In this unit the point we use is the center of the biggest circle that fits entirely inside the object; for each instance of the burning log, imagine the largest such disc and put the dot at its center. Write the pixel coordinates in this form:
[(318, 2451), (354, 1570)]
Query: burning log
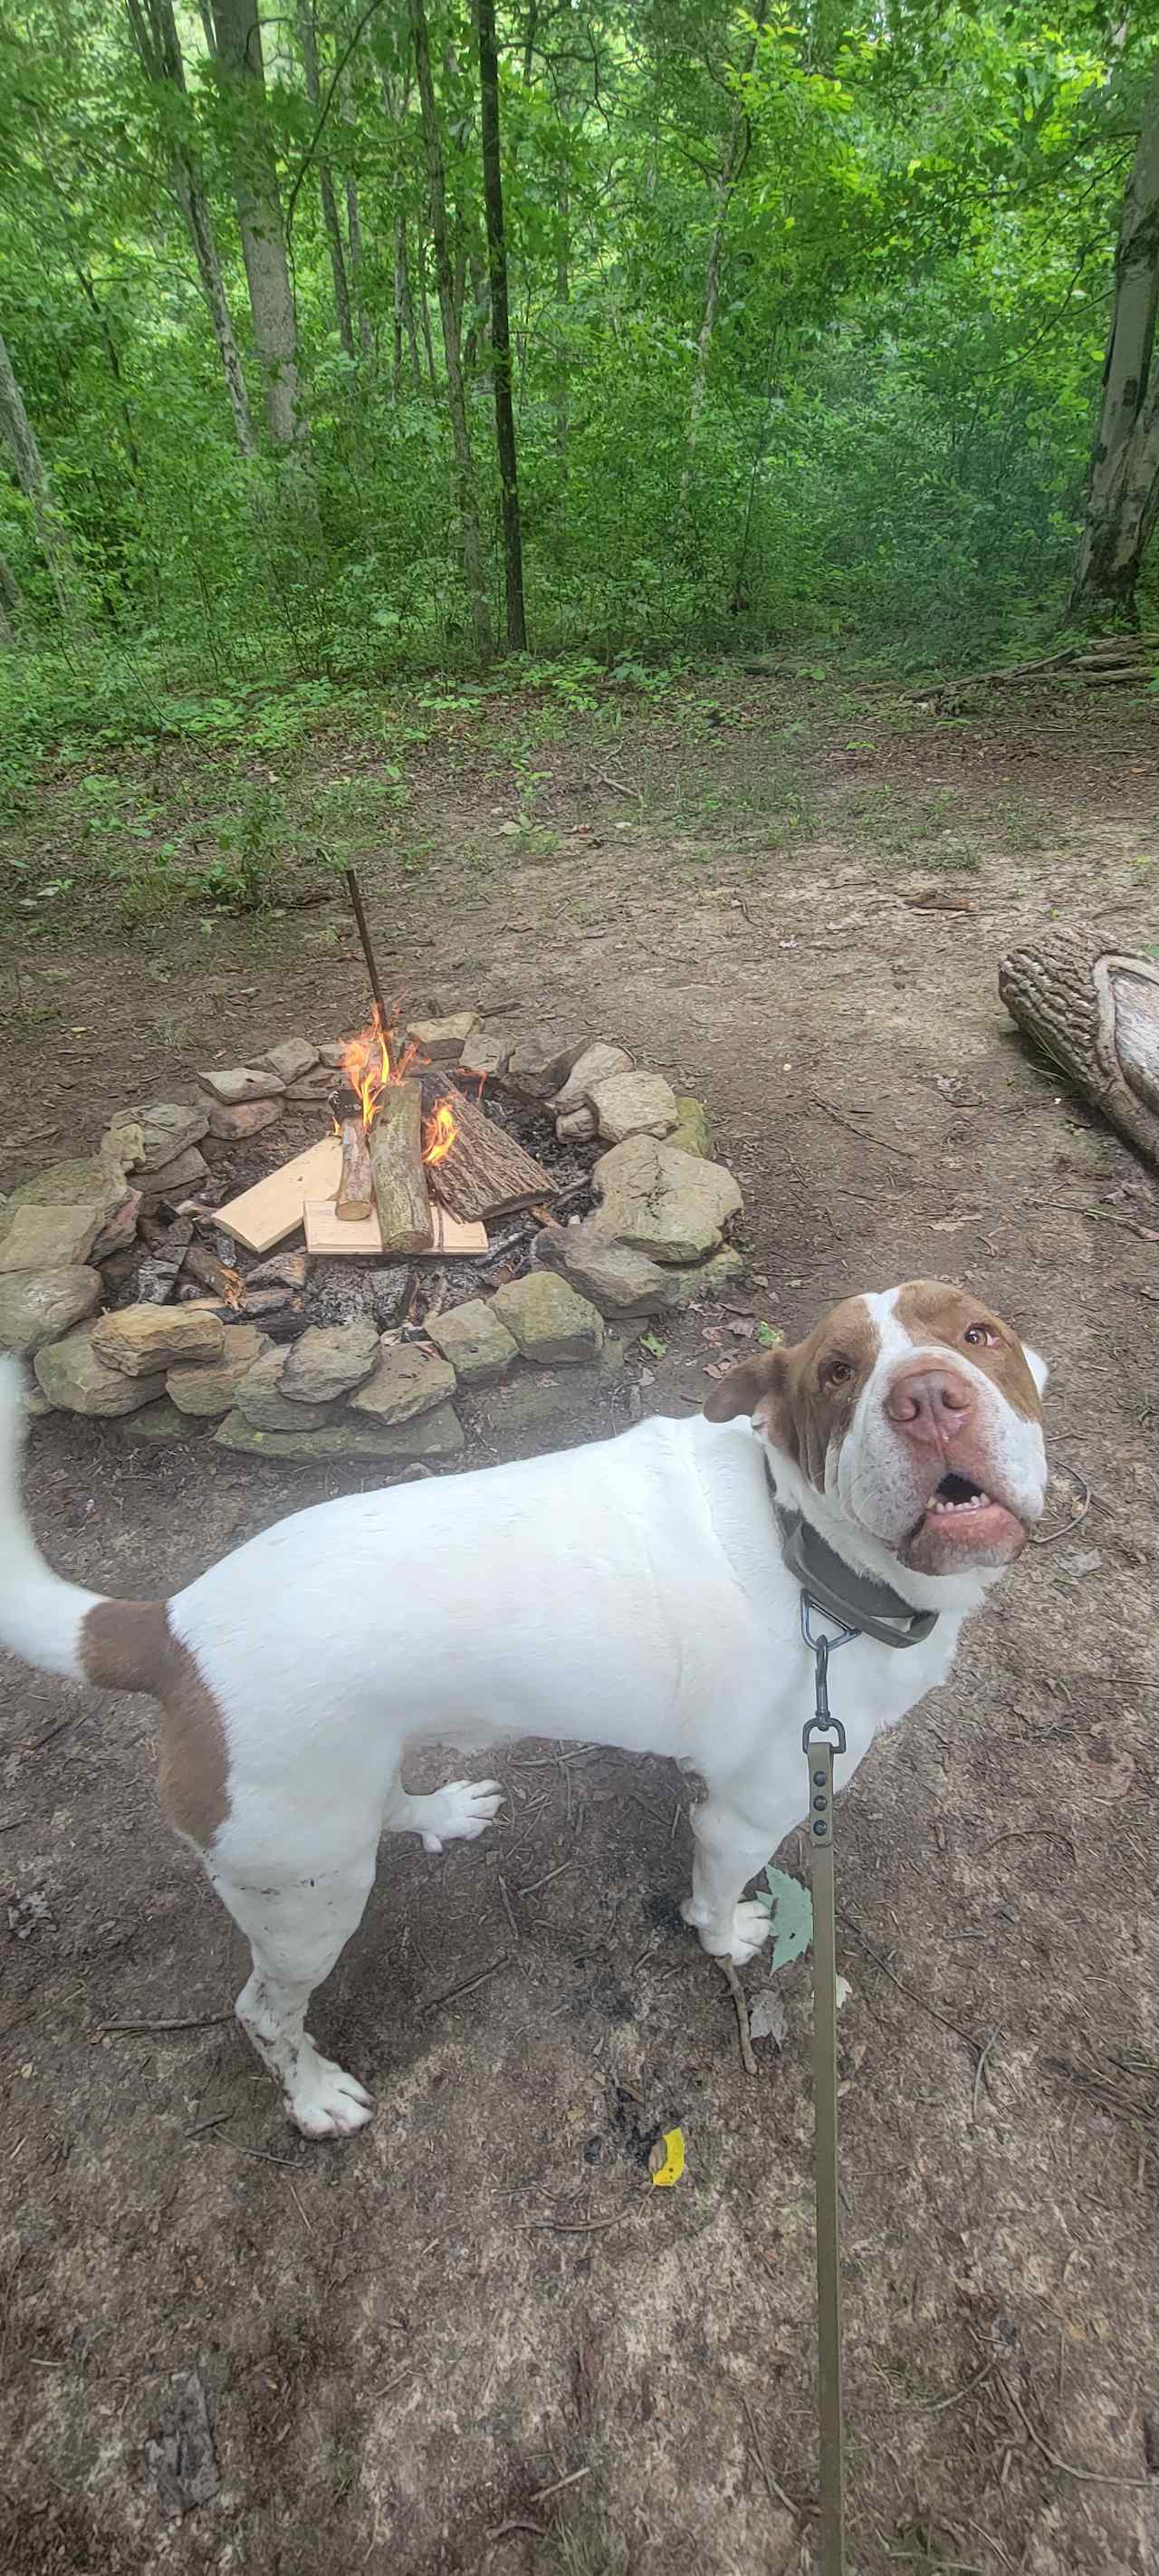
[(476, 1168), (204, 1266), (395, 1147), (355, 1198)]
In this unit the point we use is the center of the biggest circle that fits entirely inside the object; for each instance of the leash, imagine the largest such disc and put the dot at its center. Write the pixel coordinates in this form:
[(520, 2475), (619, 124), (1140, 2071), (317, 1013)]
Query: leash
[(822, 1737)]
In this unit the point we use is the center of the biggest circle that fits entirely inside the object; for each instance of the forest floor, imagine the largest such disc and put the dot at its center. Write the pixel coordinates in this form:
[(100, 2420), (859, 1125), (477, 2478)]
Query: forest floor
[(473, 2339)]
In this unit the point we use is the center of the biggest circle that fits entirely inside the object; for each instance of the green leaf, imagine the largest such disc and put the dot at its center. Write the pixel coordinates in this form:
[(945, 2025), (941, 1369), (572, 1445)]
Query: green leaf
[(791, 1907), (652, 1342), (769, 1336)]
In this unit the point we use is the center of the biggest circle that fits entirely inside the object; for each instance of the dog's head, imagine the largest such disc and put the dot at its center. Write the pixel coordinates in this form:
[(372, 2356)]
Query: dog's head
[(907, 1426)]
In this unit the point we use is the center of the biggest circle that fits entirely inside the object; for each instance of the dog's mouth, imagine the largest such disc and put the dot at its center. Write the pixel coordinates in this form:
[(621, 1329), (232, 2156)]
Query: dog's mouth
[(962, 1521)]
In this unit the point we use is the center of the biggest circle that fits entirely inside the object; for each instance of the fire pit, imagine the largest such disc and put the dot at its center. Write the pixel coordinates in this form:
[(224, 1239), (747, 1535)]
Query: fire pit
[(323, 1252)]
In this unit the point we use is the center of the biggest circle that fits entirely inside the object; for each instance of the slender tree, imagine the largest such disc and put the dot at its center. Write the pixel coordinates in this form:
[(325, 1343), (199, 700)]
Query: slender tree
[(52, 534), (1123, 486), (735, 155), (154, 32), (500, 326), (11, 601), (308, 40), (465, 492), (238, 45)]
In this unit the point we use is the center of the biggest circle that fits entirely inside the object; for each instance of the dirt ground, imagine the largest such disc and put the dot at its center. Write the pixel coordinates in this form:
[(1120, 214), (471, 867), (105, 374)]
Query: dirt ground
[(474, 2339)]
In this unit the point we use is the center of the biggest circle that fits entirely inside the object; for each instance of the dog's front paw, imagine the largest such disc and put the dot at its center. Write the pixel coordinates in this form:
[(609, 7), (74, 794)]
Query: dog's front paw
[(460, 1812), (322, 2100), (740, 1941)]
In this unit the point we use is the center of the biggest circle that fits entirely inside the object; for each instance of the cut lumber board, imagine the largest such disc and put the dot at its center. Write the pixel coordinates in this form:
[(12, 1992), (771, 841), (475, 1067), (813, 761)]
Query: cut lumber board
[(395, 1146), (355, 1189), (486, 1172), (328, 1232), (263, 1215)]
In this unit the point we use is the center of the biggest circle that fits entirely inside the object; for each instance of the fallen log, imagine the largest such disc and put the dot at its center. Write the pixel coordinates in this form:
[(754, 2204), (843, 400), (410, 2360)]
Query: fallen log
[(1093, 1009), (484, 1172), (395, 1147), (355, 1198)]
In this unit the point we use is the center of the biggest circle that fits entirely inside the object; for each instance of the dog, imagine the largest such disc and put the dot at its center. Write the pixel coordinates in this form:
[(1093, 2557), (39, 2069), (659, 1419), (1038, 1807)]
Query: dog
[(634, 1592)]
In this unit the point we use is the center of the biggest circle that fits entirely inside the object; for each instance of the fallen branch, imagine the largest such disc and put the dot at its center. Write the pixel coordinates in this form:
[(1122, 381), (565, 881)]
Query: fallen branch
[(744, 2032)]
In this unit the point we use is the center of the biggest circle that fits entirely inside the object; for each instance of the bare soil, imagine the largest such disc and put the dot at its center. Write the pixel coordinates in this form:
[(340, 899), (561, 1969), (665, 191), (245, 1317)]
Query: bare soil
[(474, 2339)]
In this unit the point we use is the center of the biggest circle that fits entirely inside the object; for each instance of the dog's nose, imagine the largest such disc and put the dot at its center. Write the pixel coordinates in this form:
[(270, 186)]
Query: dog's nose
[(929, 1406)]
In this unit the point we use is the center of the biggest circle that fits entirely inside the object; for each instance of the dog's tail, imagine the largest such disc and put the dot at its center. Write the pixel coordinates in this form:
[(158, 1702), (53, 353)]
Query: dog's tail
[(48, 1622)]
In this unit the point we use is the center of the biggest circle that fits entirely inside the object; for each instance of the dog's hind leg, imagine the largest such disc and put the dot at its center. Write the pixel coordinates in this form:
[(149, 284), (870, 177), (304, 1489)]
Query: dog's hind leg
[(296, 1930), (456, 1814)]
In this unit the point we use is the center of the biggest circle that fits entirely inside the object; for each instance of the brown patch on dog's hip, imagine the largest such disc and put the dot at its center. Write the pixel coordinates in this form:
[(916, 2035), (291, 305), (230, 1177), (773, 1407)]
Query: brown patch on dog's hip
[(129, 1646)]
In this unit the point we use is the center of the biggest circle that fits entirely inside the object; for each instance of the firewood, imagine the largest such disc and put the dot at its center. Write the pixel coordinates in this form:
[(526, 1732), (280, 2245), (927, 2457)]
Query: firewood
[(204, 1266), (396, 1170), (355, 1198), (1093, 1010), (327, 1234), (273, 1207), (485, 1172)]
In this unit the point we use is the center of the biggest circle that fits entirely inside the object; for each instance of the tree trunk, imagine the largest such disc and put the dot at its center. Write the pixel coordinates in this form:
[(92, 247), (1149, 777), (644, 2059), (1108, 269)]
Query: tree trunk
[(734, 161), (154, 29), (239, 51), (1123, 487), (307, 38), (11, 601), (357, 269), (52, 534), (466, 501), (500, 327)]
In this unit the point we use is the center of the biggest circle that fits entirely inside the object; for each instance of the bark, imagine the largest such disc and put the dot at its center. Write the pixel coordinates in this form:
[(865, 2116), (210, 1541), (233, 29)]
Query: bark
[(307, 38), (1093, 1010), (395, 1147), (11, 602), (736, 153), (500, 327), (465, 495), (239, 50), (155, 36), (357, 268), (52, 534), (1123, 486), (485, 1171)]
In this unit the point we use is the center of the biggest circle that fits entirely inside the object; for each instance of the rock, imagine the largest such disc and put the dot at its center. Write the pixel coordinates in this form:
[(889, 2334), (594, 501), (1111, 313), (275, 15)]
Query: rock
[(479, 1348), (485, 1054), (633, 1104), (140, 1339), (539, 1065), (657, 1200), (595, 1064), (404, 1383), (316, 1091), (443, 1040), (539, 1405), (260, 1399), (576, 1127), (619, 1282), (174, 1180), (75, 1378), (166, 1129), (329, 1359), (85, 1182), (241, 1082), (121, 1230), (429, 1436), (247, 1119), (690, 1134), (291, 1058), (333, 1053), (48, 1238), (160, 1421), (547, 1318), (282, 1270), (38, 1306), (212, 1387), (705, 1279)]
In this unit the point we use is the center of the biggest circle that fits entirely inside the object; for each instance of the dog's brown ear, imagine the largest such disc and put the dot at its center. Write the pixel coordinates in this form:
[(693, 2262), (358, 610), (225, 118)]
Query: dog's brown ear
[(759, 1387)]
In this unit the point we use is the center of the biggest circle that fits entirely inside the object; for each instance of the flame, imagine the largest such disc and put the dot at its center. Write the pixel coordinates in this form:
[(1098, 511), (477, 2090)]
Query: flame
[(371, 1064), (439, 1133)]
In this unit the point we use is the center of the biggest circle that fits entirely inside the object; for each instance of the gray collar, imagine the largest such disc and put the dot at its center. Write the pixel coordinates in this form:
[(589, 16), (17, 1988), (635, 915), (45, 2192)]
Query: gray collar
[(857, 1601)]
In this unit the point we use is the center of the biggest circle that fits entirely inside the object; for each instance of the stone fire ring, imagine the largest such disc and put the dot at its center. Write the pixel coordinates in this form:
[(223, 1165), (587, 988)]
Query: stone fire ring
[(652, 1244)]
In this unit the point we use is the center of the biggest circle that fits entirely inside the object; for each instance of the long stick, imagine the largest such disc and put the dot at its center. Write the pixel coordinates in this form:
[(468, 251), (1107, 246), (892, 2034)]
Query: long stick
[(355, 893)]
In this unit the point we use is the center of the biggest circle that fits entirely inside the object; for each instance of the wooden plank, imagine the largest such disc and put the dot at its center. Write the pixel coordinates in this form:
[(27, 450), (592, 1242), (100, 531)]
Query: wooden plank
[(263, 1215), (355, 1189), (395, 1146), (327, 1232), (485, 1172)]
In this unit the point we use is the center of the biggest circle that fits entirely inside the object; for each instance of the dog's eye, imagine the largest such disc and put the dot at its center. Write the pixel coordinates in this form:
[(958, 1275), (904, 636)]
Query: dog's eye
[(981, 1333), (837, 1372)]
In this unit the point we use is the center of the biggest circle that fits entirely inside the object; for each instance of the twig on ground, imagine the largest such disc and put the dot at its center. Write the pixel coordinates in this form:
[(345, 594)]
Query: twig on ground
[(542, 2493), (1107, 1216), (536, 1883), (776, 2493), (449, 1993), (909, 1991), (507, 1908), (938, 2405), (261, 2155), (518, 2522), (864, 1135), (590, 2226), (1034, 1834), (1064, 1527), (208, 2021), (983, 2054), (1066, 2468), (744, 2033)]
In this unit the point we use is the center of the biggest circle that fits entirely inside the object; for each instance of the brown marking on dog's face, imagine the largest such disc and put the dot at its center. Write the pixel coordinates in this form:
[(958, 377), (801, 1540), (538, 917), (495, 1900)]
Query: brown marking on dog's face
[(804, 1398), (129, 1646), (929, 1311)]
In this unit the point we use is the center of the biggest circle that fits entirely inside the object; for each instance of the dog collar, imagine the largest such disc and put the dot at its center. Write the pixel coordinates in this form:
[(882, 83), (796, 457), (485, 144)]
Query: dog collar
[(857, 1601)]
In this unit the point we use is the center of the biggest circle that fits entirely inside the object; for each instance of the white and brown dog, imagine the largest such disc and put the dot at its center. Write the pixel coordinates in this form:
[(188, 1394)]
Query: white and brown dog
[(630, 1593)]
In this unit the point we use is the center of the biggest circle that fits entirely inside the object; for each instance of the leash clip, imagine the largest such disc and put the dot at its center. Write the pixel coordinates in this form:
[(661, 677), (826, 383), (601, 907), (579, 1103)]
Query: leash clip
[(821, 1647)]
